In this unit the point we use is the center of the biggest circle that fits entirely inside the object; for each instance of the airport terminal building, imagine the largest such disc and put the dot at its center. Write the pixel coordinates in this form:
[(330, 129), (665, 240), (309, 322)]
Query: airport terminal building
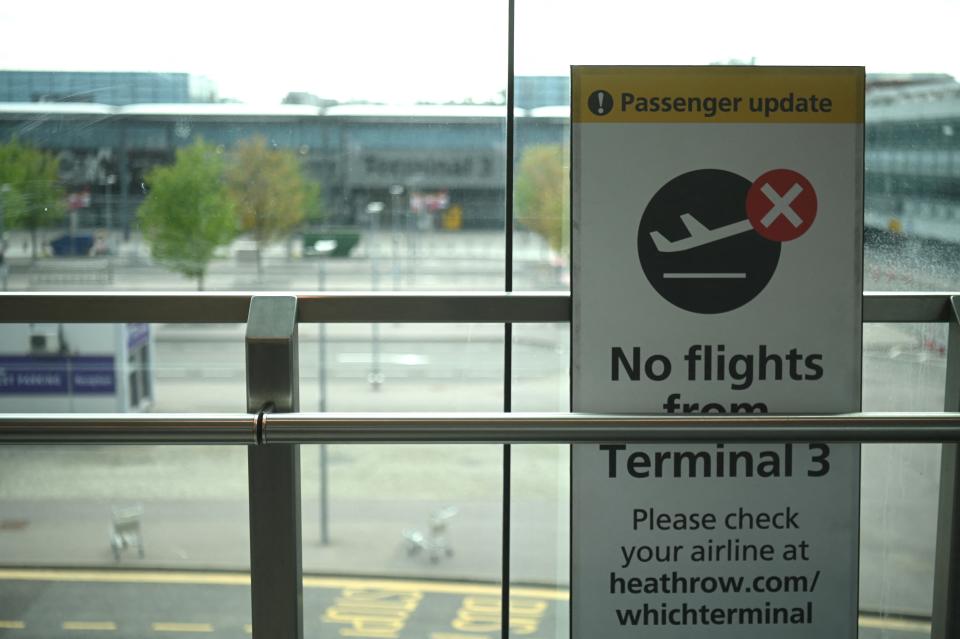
[(109, 129), (357, 152)]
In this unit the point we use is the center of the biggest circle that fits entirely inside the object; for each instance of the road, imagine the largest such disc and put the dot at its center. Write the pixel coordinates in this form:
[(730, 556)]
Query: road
[(50, 604), (57, 603)]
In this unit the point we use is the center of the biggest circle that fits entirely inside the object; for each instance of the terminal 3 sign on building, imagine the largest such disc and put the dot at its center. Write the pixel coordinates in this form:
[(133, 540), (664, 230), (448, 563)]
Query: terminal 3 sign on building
[(419, 168), (717, 268)]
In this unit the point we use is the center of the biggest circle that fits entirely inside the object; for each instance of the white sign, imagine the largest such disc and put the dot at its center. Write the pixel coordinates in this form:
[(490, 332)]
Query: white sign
[(423, 169), (717, 268)]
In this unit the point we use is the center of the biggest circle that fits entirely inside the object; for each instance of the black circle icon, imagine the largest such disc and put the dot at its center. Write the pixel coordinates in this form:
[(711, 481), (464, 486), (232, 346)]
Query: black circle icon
[(697, 247), (600, 102)]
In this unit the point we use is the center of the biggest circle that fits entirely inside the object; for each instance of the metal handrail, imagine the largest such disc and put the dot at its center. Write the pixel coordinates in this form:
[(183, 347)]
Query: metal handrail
[(563, 428), (479, 307), (558, 428), (361, 307), (128, 428)]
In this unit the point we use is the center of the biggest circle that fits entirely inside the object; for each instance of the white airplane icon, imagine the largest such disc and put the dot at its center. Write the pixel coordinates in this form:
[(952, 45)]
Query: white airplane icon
[(699, 235)]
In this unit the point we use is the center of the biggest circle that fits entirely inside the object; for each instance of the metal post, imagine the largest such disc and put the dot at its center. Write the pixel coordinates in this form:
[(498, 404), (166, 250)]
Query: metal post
[(124, 162), (276, 571), (396, 191), (324, 497), (376, 376), (108, 195), (946, 579), (322, 407), (108, 222), (64, 348), (4, 189)]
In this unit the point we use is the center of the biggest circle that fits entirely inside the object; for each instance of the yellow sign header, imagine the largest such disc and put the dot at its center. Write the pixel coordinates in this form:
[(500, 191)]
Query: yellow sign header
[(718, 94)]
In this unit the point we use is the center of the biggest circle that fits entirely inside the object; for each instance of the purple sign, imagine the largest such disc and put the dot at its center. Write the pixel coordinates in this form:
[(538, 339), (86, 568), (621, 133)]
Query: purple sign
[(57, 375), (137, 334)]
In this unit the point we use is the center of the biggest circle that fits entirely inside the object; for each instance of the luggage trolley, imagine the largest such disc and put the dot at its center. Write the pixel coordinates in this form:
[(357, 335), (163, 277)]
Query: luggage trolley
[(125, 530), (434, 543)]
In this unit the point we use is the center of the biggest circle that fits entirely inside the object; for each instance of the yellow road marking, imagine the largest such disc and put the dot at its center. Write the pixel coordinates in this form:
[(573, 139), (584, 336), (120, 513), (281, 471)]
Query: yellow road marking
[(243, 579), (873, 621), (887, 623), (89, 625), (182, 627)]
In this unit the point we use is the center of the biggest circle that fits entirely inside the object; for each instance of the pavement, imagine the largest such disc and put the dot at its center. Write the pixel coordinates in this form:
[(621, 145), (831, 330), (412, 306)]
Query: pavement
[(366, 537), (48, 604), (57, 504)]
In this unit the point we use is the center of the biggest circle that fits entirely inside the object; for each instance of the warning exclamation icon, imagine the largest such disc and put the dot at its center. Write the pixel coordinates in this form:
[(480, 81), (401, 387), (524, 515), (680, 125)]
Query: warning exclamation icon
[(600, 102)]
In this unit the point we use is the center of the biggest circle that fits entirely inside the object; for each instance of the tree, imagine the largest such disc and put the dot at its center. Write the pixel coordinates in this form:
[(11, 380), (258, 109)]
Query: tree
[(30, 193), (542, 194), (188, 211), (272, 195)]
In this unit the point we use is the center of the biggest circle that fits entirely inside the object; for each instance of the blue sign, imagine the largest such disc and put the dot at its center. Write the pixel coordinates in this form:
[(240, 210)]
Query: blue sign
[(57, 375), (137, 334)]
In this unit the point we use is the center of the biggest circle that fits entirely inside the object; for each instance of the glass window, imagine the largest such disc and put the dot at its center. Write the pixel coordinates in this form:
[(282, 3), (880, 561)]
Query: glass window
[(361, 146), (378, 132)]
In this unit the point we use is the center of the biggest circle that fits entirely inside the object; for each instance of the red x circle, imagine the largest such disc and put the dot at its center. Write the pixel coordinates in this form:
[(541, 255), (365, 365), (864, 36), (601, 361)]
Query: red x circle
[(781, 205)]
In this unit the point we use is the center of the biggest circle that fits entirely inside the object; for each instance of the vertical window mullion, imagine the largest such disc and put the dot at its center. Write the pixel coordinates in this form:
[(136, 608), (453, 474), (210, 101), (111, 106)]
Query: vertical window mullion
[(507, 329)]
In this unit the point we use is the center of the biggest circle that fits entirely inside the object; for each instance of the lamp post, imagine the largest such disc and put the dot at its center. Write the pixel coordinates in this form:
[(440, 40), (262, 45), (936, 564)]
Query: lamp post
[(395, 192), (108, 183), (374, 209), (4, 189), (417, 184), (322, 249)]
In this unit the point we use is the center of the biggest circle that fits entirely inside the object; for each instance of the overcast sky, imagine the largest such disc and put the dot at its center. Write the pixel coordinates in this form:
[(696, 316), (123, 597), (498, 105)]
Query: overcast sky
[(404, 51)]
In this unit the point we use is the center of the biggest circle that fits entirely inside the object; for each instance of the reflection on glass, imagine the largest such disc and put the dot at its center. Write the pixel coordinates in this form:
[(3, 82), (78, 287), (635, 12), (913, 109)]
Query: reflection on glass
[(259, 167), (542, 185), (160, 198), (903, 370), (402, 510), (540, 486), (413, 510), (187, 168), (159, 506)]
